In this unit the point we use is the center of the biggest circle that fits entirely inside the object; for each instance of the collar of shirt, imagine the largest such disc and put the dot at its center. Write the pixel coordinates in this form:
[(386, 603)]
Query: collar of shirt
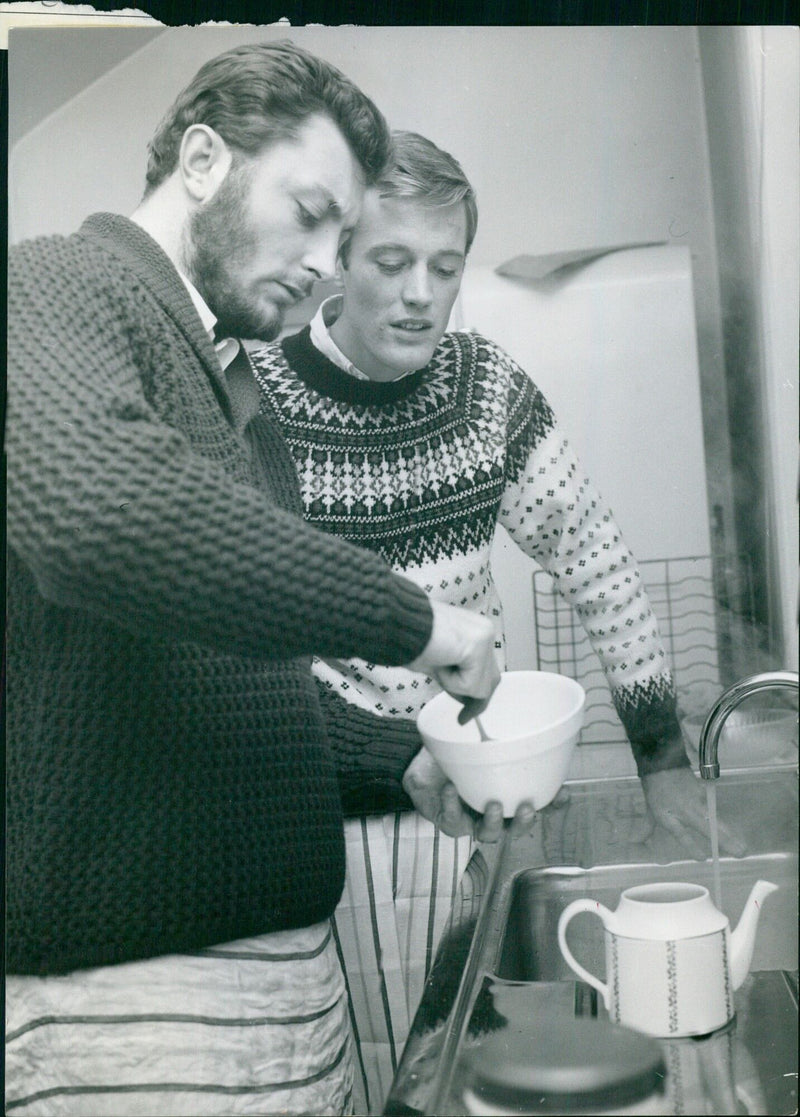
[(227, 347), (321, 339)]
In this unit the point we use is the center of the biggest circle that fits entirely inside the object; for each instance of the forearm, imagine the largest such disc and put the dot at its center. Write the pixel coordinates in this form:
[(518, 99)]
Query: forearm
[(566, 527), (230, 570), (116, 513)]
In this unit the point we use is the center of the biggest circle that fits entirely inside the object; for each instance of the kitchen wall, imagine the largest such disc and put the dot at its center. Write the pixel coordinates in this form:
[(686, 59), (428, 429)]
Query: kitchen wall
[(778, 288), (573, 137), (772, 184)]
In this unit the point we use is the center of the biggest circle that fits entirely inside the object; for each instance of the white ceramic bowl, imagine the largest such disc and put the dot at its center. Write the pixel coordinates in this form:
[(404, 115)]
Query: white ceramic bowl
[(533, 718)]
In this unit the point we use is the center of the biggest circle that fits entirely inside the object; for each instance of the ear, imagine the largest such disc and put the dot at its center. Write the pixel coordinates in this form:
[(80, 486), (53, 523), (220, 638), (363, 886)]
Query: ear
[(342, 256), (204, 161)]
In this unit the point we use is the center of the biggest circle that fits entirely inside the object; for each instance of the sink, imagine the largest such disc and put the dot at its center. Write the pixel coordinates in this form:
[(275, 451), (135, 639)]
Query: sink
[(503, 968), (529, 947), (750, 1067)]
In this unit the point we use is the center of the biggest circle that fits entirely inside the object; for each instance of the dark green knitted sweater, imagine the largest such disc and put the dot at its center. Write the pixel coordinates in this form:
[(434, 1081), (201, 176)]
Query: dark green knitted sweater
[(170, 785)]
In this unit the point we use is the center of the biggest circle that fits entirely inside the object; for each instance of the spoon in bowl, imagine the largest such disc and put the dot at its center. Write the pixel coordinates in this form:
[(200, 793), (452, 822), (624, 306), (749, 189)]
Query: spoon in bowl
[(471, 710), (484, 735)]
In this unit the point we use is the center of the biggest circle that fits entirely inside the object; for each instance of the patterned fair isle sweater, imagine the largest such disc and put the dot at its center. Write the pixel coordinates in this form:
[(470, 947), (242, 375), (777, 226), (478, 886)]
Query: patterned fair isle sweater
[(170, 785), (421, 470)]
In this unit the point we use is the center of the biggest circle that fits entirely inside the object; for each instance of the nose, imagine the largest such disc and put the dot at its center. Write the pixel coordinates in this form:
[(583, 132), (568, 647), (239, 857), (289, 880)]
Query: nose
[(417, 287), (321, 253)]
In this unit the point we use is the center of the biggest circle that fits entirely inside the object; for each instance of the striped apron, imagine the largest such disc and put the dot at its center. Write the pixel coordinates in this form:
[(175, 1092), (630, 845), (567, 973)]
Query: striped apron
[(258, 1026)]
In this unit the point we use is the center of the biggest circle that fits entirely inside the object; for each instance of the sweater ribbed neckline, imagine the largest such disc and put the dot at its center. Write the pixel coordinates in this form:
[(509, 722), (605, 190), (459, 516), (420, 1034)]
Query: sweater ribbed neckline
[(326, 378)]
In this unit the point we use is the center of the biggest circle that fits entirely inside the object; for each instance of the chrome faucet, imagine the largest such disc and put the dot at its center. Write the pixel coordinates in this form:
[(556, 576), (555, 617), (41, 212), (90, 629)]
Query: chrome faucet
[(724, 707)]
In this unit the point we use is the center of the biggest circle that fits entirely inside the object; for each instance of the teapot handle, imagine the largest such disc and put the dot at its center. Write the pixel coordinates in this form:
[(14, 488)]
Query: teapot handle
[(594, 908)]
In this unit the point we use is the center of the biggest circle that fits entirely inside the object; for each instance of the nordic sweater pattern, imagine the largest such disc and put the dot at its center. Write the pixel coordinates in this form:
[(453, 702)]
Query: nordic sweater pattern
[(422, 469), (169, 781)]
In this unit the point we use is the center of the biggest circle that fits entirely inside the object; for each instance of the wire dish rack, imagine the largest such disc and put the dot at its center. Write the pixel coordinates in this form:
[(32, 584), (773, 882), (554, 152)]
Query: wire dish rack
[(695, 608)]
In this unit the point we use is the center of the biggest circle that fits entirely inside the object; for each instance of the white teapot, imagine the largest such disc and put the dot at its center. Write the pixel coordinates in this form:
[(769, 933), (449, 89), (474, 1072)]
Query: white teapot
[(672, 962)]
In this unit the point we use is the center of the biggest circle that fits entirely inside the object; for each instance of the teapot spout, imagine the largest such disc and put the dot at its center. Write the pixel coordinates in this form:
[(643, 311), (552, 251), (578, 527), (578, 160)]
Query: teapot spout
[(743, 939)]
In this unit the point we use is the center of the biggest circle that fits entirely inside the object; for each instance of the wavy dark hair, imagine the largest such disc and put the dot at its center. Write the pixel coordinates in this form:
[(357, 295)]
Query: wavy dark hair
[(259, 94)]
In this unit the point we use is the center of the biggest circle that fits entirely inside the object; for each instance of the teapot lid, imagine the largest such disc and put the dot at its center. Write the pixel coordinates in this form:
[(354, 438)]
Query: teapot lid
[(566, 1065)]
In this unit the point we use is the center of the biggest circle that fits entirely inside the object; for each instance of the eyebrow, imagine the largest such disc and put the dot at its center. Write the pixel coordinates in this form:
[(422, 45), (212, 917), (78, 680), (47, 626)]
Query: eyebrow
[(390, 247), (315, 194)]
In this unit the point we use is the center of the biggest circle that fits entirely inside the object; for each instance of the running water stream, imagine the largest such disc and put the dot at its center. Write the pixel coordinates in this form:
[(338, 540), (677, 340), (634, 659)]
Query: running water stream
[(711, 799)]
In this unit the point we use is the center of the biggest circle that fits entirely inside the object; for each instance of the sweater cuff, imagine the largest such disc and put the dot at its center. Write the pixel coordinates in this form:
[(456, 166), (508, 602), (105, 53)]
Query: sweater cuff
[(377, 797), (649, 714), (406, 629), (657, 755), (371, 754)]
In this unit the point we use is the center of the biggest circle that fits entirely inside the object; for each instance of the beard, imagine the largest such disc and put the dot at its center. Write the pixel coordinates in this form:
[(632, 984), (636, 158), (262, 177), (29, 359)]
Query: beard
[(218, 246)]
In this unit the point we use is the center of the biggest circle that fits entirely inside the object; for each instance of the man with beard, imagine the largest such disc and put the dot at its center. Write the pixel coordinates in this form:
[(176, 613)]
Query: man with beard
[(170, 784)]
